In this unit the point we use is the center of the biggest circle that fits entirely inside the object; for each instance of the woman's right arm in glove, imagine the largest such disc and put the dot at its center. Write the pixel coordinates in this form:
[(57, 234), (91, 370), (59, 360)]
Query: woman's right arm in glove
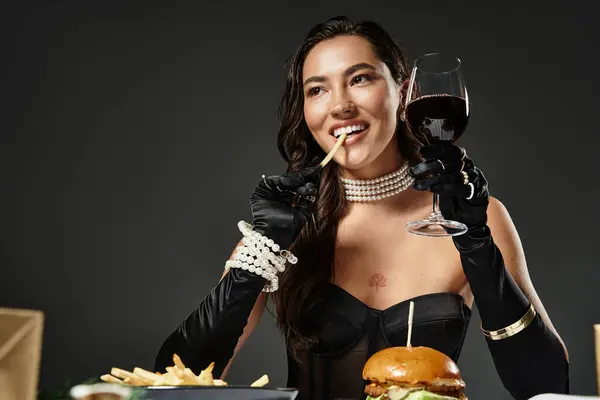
[(217, 329), (228, 314), (253, 319)]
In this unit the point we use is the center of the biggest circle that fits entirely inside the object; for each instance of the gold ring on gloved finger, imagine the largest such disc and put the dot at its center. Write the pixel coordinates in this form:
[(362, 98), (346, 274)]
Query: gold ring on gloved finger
[(470, 196), (265, 181)]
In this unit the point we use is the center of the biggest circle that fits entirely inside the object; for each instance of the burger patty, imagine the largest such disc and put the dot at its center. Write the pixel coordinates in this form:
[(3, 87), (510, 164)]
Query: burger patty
[(376, 390)]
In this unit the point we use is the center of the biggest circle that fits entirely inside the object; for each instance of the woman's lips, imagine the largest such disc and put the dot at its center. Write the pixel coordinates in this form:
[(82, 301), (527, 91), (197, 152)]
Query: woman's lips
[(354, 137)]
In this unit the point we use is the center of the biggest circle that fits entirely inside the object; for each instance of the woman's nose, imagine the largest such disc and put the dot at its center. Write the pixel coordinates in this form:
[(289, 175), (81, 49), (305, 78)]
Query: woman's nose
[(343, 109)]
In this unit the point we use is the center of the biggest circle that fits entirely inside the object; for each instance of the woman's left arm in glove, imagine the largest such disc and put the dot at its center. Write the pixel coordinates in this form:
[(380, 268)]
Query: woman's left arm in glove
[(529, 355)]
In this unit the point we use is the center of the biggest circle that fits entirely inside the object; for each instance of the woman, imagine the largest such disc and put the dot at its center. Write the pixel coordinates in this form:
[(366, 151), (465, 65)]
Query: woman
[(357, 268)]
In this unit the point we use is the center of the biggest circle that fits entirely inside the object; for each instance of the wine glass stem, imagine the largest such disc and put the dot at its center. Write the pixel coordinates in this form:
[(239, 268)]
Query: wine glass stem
[(435, 215)]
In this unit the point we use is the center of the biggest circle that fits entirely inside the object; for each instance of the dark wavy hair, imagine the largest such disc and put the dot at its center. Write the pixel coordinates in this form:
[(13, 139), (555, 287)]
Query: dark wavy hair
[(302, 285)]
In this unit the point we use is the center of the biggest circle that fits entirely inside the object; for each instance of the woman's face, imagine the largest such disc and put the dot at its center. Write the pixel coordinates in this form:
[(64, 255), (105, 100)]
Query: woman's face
[(347, 87)]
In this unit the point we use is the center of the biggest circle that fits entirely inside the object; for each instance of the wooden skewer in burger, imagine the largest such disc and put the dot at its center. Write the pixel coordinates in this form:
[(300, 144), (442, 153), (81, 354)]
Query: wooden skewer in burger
[(412, 373)]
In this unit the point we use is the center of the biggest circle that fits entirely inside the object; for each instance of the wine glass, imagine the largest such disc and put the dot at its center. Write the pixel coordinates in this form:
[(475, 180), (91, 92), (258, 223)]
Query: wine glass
[(436, 108)]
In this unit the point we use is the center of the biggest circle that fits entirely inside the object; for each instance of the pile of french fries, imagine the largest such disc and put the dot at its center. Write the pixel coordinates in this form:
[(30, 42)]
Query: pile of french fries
[(177, 375)]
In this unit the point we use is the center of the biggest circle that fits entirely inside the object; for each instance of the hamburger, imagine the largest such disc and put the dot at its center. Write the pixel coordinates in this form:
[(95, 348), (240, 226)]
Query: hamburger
[(412, 373)]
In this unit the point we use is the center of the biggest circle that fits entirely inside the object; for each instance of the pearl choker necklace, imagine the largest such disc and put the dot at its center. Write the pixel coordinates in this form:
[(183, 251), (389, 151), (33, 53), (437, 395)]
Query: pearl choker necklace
[(378, 188)]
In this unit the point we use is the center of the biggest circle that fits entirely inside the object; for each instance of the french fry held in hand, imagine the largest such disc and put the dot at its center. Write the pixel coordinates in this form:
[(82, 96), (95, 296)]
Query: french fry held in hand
[(338, 144), (176, 375)]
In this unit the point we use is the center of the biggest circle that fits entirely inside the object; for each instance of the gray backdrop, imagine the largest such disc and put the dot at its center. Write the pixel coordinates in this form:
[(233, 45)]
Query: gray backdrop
[(133, 133)]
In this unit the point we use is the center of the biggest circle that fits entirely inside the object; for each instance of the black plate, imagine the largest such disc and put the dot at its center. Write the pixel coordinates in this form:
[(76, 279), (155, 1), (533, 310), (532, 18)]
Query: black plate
[(217, 393)]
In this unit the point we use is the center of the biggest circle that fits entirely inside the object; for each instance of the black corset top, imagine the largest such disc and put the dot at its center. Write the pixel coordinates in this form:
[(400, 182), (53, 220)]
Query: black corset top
[(350, 332)]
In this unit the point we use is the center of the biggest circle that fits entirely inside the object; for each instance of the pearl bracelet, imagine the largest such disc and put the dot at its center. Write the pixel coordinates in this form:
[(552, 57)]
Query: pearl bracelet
[(253, 258), (248, 232), (257, 255), (267, 273)]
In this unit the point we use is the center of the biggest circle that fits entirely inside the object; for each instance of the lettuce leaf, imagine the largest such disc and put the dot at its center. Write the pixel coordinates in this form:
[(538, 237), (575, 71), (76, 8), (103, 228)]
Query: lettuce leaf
[(425, 395)]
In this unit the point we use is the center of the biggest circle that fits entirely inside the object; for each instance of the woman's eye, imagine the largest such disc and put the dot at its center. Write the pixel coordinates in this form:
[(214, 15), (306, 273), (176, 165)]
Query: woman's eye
[(314, 91), (361, 79)]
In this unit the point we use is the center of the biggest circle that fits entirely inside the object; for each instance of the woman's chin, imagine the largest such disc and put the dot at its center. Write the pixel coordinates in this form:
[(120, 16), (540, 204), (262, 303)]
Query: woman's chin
[(359, 155), (354, 165)]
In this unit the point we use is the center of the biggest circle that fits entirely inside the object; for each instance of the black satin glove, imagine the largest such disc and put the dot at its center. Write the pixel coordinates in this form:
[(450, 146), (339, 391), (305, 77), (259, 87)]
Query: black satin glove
[(461, 187), (280, 207), (532, 361), (282, 204)]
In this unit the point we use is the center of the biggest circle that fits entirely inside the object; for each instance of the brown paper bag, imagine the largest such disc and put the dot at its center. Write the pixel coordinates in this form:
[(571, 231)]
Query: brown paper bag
[(20, 353)]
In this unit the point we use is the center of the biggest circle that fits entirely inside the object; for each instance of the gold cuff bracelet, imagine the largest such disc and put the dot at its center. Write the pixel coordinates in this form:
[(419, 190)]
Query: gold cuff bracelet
[(514, 328)]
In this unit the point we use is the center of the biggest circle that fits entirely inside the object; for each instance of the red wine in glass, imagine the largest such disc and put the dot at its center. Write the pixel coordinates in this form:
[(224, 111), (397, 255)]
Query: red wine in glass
[(436, 108), (438, 117)]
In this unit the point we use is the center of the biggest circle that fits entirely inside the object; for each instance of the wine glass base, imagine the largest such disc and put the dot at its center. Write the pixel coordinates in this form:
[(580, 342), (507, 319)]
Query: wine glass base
[(436, 228)]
